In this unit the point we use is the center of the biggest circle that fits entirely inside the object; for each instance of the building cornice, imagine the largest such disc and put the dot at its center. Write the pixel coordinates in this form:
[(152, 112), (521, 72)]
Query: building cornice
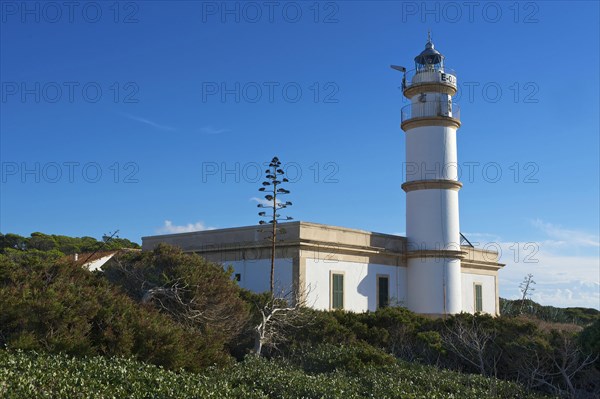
[(445, 121), (429, 87), (438, 184), (436, 253)]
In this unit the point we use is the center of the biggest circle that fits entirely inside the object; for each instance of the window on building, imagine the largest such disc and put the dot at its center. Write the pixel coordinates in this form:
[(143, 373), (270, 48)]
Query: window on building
[(478, 298), (383, 291), (337, 291), (238, 277)]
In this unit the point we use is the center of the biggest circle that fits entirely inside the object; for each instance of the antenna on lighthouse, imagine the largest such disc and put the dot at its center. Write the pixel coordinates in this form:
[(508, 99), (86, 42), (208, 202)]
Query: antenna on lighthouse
[(403, 70)]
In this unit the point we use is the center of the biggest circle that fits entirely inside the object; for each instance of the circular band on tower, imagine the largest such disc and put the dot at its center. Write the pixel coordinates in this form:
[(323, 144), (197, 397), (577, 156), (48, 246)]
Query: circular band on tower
[(446, 121), (430, 87), (431, 185), (436, 253)]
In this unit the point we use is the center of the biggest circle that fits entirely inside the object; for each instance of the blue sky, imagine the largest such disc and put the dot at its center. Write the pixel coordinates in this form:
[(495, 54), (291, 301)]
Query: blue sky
[(152, 117)]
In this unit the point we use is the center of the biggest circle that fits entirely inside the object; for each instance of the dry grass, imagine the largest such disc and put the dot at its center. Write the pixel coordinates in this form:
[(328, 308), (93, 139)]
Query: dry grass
[(547, 326)]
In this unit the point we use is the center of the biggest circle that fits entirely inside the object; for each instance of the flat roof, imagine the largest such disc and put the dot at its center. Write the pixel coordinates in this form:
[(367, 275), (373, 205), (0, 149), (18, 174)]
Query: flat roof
[(302, 234)]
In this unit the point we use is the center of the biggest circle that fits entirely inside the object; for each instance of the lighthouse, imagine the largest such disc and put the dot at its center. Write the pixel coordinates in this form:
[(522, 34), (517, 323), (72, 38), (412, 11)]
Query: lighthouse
[(430, 122), (339, 268)]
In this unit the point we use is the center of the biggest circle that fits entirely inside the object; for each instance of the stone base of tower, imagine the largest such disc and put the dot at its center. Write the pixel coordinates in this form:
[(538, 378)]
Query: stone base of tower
[(434, 285)]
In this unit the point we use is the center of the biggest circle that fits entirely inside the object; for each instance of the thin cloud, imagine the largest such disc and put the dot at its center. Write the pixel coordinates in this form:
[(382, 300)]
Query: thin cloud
[(565, 275), (562, 236), (211, 130), (170, 228), (149, 122), (575, 297)]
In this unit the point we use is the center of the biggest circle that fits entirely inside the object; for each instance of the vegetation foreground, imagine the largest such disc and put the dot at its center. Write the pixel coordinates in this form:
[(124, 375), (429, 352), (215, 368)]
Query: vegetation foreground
[(26, 375), (166, 324)]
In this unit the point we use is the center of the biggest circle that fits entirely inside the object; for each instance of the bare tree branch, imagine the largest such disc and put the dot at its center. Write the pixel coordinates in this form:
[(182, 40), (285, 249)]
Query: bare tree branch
[(471, 342), (279, 313)]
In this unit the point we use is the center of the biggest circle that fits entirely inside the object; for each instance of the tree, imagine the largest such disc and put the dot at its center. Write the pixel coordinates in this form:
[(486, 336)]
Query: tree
[(42, 242), (557, 366), (196, 293), (65, 245), (13, 241), (526, 288), (272, 182), (470, 340), (276, 315)]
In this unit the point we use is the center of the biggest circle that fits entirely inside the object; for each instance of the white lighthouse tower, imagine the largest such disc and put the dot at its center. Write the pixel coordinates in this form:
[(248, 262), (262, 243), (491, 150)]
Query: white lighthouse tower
[(433, 248)]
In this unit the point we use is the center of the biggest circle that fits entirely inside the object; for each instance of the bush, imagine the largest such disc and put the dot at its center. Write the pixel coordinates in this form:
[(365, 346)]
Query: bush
[(58, 307), (351, 358), (578, 316), (500, 346), (30, 375), (195, 293), (589, 340)]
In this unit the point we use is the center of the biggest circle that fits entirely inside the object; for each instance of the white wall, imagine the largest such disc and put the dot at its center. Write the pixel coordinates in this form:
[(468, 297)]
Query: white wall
[(256, 274), (488, 284), (432, 220), (360, 284), (431, 153), (434, 285)]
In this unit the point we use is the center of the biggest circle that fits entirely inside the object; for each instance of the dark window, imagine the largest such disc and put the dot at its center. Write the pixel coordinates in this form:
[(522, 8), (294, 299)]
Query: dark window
[(478, 298), (238, 277), (337, 291), (383, 291)]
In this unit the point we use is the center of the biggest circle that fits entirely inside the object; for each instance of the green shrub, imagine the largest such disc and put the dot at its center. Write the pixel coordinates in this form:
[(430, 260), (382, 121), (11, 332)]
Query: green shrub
[(579, 316), (351, 358), (30, 375), (58, 307), (589, 339), (508, 345), (194, 292), (432, 340)]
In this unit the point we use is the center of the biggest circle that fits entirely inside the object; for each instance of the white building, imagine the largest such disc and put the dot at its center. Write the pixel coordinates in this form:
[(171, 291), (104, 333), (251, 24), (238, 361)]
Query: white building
[(336, 267), (428, 271)]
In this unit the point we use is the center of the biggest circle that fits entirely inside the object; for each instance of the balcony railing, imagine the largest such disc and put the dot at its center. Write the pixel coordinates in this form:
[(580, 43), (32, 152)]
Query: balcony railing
[(431, 109), (445, 76)]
